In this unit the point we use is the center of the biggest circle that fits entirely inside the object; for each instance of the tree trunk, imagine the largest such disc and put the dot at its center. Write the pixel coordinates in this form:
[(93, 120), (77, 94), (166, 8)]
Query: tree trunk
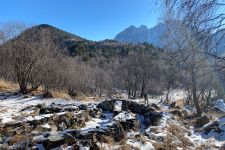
[(143, 87), (194, 90)]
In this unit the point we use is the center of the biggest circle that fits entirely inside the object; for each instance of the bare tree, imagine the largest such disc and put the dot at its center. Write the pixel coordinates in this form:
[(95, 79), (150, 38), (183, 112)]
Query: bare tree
[(28, 52), (205, 18)]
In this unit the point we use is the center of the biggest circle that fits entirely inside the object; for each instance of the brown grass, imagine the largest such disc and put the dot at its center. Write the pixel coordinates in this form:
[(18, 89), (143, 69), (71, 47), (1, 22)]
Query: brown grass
[(140, 138), (21, 116), (35, 113), (179, 102), (86, 99), (69, 114), (9, 129), (64, 146), (204, 146), (179, 133), (4, 110), (159, 145), (198, 130), (155, 130), (108, 140), (123, 141), (16, 139), (9, 87), (60, 94), (128, 147), (6, 86), (5, 146)]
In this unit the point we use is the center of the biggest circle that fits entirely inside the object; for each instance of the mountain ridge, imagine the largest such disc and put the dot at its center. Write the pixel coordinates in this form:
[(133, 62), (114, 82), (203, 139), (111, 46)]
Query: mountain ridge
[(142, 34)]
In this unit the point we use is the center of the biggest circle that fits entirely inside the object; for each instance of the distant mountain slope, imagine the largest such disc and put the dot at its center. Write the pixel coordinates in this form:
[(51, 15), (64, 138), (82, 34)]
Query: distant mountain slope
[(60, 34), (73, 45), (154, 36), (142, 34)]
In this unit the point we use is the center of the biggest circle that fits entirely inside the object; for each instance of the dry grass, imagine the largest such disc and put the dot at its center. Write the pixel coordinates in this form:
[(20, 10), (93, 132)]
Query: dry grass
[(64, 146), (155, 130), (159, 145), (16, 139), (37, 92), (179, 102), (15, 117), (60, 94), (204, 146), (6, 86), (9, 129), (190, 122), (140, 138), (36, 112), (108, 140), (198, 130), (178, 132), (174, 133), (69, 114), (5, 146), (128, 147), (87, 99), (9, 87), (4, 110), (213, 115)]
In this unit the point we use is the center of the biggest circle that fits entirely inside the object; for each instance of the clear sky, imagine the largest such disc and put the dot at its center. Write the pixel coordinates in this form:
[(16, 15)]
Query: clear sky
[(90, 19)]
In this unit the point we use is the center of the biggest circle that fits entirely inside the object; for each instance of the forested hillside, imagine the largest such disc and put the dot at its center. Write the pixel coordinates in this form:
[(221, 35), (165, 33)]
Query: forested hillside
[(54, 59)]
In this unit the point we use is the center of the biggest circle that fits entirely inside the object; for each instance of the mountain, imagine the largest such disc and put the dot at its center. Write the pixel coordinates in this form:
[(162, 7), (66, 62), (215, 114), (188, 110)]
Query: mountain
[(60, 34), (142, 34), (72, 45)]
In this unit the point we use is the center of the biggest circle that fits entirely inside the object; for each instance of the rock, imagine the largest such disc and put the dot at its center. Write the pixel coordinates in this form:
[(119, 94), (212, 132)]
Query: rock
[(43, 128), (69, 139), (62, 126), (40, 106), (25, 96), (214, 125), (1, 140), (154, 137), (120, 134), (108, 105), (155, 106), (47, 94), (177, 107), (177, 113), (103, 116), (83, 107), (201, 121), (153, 117), (50, 110), (217, 110), (53, 128), (18, 130), (172, 104), (53, 140), (184, 112), (94, 146), (43, 111)]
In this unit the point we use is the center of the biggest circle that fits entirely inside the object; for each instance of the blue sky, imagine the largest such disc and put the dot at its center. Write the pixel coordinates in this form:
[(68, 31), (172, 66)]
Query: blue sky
[(90, 19)]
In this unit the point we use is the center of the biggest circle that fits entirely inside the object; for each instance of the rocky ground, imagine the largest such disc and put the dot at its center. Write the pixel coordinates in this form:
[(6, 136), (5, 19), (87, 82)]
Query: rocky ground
[(28, 122)]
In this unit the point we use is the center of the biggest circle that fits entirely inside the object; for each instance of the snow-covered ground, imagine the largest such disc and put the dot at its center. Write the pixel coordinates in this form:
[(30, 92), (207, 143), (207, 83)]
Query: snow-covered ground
[(14, 108)]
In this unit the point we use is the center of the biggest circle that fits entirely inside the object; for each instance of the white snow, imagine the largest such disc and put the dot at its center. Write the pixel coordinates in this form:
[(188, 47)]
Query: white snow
[(142, 146), (10, 108), (46, 126), (118, 106), (220, 104), (101, 123), (123, 116)]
